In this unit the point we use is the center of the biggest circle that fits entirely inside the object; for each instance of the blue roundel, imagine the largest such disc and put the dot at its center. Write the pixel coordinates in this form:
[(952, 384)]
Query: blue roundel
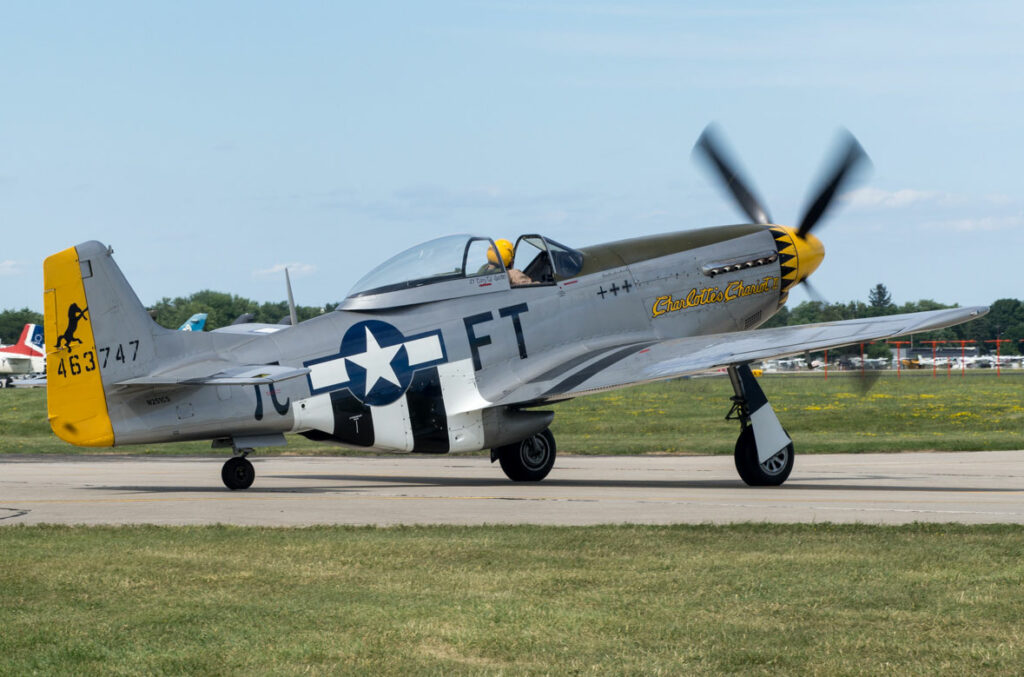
[(379, 362)]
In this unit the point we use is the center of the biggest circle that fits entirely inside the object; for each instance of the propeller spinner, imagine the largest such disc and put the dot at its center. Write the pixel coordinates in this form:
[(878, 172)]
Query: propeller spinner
[(800, 252)]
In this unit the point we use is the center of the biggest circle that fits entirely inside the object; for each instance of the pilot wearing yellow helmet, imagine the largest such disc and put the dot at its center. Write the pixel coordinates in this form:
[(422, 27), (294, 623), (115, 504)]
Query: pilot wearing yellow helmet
[(504, 253)]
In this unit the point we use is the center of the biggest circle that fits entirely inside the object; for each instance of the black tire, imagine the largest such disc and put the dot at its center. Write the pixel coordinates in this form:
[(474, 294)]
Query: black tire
[(771, 473), (530, 460), (238, 473)]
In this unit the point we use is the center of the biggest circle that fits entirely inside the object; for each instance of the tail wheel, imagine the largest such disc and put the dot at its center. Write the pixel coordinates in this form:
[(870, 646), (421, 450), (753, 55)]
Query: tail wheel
[(772, 472), (530, 460), (238, 473)]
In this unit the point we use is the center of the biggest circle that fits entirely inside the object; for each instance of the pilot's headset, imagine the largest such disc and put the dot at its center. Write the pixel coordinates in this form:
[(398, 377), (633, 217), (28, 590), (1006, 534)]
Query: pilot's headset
[(505, 251)]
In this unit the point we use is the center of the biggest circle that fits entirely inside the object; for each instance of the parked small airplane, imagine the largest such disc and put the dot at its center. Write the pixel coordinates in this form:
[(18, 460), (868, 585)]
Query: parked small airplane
[(27, 356), (194, 323), (453, 345)]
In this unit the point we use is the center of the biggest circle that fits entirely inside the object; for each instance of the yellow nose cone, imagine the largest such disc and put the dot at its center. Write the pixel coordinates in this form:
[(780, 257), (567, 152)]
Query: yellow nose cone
[(798, 256), (809, 253)]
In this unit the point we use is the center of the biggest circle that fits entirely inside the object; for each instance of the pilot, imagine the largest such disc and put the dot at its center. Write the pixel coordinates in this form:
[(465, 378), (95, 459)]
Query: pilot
[(505, 250)]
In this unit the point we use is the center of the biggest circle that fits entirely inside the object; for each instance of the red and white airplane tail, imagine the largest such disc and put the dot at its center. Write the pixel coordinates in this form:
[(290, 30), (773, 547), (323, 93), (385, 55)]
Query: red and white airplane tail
[(26, 356), (30, 343)]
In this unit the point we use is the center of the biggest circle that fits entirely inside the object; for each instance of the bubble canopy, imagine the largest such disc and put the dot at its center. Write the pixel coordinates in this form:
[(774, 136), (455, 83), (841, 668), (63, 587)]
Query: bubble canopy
[(453, 257), (458, 265)]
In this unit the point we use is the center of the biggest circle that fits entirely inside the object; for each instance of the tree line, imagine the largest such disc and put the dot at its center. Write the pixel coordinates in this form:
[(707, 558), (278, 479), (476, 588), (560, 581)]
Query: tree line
[(1005, 319), (13, 321), (221, 309)]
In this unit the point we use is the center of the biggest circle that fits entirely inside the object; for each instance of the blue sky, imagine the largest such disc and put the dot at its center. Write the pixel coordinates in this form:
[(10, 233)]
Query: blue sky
[(212, 143)]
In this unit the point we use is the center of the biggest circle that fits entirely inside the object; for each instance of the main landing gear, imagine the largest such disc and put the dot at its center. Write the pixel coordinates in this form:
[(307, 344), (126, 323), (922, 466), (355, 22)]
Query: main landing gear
[(529, 460), (764, 451), (238, 472)]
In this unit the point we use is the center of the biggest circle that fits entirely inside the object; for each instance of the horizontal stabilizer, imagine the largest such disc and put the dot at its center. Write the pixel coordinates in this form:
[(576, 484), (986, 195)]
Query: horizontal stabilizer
[(250, 328), (219, 373)]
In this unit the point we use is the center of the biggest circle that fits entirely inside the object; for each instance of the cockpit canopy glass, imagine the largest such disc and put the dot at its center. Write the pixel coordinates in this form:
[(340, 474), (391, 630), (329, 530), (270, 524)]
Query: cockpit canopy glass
[(447, 258), (545, 260)]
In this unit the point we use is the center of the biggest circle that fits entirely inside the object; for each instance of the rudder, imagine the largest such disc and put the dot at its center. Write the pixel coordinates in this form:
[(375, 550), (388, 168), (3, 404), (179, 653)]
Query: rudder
[(75, 403)]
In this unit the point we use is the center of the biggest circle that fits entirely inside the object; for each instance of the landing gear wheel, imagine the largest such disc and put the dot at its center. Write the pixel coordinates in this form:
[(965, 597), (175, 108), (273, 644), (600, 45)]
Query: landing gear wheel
[(530, 460), (238, 473), (771, 473)]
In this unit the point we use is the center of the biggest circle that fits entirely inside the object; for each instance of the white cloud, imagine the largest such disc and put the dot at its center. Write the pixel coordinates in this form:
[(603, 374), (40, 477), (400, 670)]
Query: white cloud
[(998, 199), (893, 199), (985, 224), (294, 270), (10, 268)]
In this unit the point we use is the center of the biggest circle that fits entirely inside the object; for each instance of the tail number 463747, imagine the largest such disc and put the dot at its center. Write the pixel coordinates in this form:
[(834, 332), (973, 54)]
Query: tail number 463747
[(87, 361)]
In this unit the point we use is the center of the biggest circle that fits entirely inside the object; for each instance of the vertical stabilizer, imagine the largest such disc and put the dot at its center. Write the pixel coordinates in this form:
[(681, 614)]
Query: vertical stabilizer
[(97, 332), (33, 339), (30, 343), (194, 323), (26, 334)]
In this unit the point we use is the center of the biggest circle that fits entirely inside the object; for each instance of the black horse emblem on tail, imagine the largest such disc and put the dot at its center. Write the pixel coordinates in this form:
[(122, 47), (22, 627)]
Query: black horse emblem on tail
[(74, 315)]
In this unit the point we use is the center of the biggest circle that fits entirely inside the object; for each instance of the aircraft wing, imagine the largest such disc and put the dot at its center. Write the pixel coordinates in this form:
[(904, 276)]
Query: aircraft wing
[(643, 362), (218, 373)]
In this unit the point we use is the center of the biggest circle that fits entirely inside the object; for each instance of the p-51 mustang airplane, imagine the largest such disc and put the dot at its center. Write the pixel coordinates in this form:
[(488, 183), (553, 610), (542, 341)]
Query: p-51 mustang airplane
[(436, 351)]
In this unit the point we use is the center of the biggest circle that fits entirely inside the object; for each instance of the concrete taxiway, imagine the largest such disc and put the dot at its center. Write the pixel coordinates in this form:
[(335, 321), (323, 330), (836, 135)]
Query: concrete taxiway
[(971, 487)]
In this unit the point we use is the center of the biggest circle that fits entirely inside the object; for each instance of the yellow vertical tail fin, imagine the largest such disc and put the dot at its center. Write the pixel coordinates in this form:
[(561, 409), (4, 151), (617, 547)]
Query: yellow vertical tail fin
[(75, 400)]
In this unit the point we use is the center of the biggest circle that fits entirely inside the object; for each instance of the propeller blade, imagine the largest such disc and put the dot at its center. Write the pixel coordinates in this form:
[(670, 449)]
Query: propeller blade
[(813, 292), (866, 380), (713, 151), (847, 161)]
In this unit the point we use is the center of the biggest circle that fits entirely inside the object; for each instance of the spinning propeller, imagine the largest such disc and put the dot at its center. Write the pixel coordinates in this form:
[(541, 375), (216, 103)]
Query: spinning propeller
[(807, 250)]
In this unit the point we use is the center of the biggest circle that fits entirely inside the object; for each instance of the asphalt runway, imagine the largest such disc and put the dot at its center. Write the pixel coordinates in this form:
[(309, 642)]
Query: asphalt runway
[(967, 487)]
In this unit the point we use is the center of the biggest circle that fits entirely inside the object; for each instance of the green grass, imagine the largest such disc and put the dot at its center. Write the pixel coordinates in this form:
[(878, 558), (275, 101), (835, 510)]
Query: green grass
[(913, 413), (748, 599)]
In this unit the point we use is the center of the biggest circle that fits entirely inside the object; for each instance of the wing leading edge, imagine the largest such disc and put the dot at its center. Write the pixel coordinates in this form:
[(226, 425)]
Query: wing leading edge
[(645, 362)]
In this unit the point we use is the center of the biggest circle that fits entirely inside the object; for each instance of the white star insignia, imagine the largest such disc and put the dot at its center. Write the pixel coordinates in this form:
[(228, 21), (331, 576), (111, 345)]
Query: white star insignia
[(377, 362)]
